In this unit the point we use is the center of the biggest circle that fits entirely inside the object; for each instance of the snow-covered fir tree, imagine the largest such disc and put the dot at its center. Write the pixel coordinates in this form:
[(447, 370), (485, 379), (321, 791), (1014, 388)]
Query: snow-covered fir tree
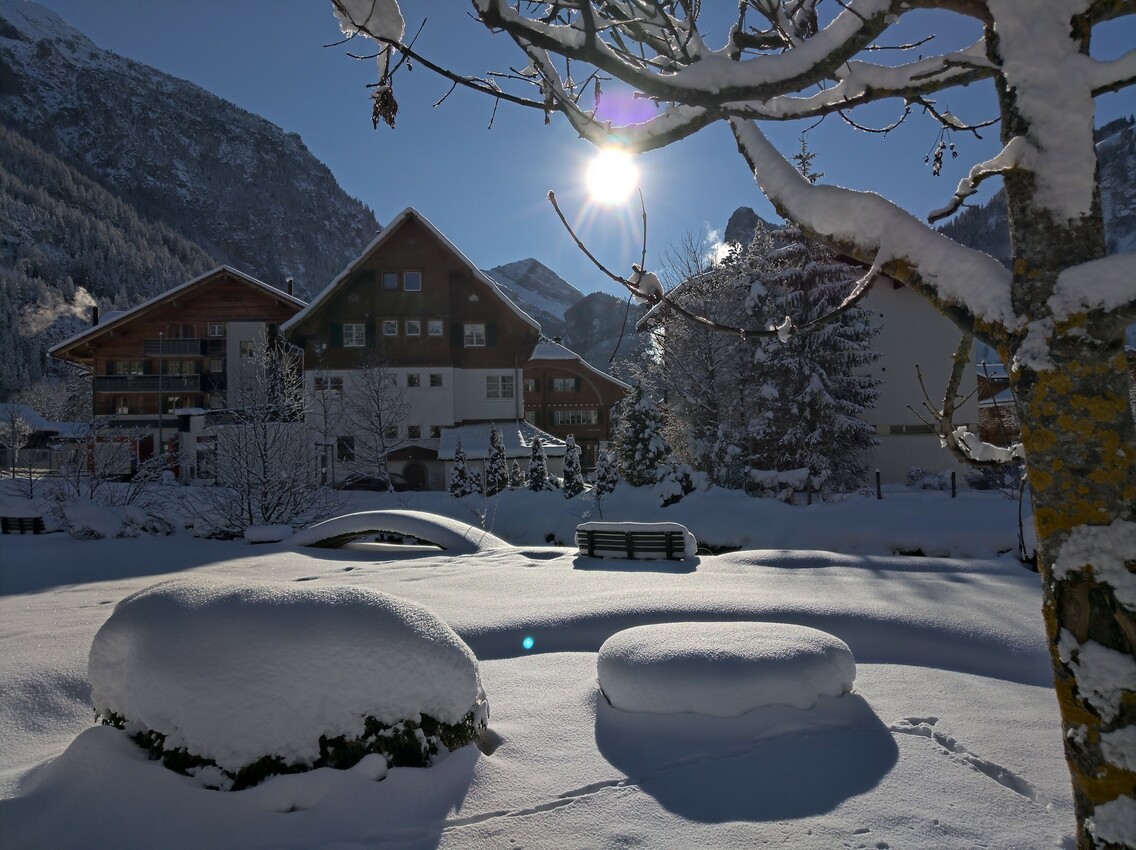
[(639, 442), (573, 483), (538, 468), (516, 477), (606, 475), (497, 467), (811, 389), (459, 475)]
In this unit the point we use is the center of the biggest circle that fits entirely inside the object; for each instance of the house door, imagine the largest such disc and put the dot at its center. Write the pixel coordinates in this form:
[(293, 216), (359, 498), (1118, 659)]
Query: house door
[(415, 475)]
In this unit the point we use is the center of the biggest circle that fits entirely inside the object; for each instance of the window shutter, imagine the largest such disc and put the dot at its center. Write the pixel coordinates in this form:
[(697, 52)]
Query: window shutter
[(337, 334), (110, 367), (370, 335), (457, 330), (491, 334)]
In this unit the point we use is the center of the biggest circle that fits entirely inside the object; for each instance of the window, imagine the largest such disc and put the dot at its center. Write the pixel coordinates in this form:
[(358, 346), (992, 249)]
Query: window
[(248, 347), (354, 334), (414, 432), (412, 281), (474, 335), (216, 329), (434, 327), (390, 327), (179, 367), (216, 364), (413, 327), (565, 385), (345, 448), (121, 405), (332, 385), (172, 403), (435, 379), (498, 386), (532, 385), (390, 280), (413, 379), (129, 367), (575, 417), (389, 380), (391, 433), (435, 431)]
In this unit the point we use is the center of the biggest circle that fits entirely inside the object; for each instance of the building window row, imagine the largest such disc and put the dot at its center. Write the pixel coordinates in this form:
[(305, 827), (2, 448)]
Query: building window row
[(408, 281), (575, 417)]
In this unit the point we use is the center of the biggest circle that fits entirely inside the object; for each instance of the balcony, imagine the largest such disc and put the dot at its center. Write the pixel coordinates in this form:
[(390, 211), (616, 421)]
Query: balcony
[(189, 346), (166, 384)]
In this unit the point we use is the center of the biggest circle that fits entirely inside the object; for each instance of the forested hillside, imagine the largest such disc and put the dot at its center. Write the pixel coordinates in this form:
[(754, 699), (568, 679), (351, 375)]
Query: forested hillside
[(118, 181)]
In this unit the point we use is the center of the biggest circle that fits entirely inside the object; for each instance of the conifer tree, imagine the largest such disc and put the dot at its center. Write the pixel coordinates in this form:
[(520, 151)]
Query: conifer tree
[(516, 477), (459, 475), (639, 442), (538, 468), (573, 476), (497, 468)]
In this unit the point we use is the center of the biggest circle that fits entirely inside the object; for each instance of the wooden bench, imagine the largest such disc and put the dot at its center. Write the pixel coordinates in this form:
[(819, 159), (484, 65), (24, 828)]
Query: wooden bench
[(649, 541), (22, 525)]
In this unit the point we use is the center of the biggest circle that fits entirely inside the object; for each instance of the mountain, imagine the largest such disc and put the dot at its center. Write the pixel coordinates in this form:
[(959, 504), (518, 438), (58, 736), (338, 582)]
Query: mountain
[(987, 227), (539, 291), (118, 181)]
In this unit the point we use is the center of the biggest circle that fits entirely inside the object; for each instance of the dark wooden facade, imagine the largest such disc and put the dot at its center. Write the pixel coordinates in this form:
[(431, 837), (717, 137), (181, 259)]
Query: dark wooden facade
[(414, 297), (567, 396), (175, 346)]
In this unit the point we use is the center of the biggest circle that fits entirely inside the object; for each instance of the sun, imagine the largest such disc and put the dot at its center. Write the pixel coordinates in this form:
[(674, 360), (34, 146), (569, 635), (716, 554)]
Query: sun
[(612, 176)]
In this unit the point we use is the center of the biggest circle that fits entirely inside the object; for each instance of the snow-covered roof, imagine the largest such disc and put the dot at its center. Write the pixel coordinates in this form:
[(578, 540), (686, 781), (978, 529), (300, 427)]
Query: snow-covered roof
[(546, 349), (116, 318), (1003, 399), (993, 371), (385, 234), (34, 420), (517, 435)]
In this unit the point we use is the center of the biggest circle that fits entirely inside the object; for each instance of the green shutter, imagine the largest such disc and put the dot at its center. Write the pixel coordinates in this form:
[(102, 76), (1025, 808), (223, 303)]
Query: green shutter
[(337, 335)]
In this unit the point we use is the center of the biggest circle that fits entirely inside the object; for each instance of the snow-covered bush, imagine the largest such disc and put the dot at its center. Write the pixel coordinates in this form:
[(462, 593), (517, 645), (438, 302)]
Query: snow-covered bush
[(1002, 476), (919, 478), (231, 683), (722, 669), (674, 482)]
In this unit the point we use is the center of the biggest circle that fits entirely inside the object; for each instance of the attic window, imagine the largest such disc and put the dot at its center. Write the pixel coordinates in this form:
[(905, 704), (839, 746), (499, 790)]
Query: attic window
[(412, 281), (474, 334)]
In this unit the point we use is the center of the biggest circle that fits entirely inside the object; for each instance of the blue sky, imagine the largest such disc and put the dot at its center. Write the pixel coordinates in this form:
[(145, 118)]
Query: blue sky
[(486, 188)]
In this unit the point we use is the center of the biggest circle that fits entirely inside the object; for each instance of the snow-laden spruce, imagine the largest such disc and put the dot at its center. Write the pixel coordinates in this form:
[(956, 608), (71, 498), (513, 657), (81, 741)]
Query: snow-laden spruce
[(722, 669), (237, 681)]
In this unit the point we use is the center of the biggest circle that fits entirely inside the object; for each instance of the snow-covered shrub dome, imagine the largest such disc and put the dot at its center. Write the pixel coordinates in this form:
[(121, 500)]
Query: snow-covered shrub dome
[(722, 669), (233, 682)]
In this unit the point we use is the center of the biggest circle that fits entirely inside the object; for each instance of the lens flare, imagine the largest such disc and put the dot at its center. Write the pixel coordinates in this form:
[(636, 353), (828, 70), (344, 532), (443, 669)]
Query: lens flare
[(612, 176), (528, 642)]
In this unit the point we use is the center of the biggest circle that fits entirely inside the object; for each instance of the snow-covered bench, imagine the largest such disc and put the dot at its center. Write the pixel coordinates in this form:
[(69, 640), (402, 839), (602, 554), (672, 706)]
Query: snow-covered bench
[(22, 525), (641, 540)]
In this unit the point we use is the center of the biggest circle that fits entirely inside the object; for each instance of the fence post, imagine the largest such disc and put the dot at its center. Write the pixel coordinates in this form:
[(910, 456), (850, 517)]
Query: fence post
[(879, 491), (954, 487)]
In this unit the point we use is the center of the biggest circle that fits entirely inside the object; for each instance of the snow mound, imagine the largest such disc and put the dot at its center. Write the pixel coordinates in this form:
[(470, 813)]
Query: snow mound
[(457, 538), (267, 533), (236, 673), (722, 669)]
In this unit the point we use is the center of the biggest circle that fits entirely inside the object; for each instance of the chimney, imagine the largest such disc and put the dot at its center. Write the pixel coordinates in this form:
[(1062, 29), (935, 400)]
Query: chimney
[(288, 285), (94, 315)]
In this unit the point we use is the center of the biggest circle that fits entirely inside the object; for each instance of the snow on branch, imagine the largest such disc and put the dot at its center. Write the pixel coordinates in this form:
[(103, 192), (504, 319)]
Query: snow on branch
[(1017, 153), (1106, 285), (1113, 75), (966, 285)]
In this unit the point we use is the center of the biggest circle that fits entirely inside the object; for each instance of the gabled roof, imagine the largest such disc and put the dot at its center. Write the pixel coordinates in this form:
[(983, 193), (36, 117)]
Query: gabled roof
[(546, 349), (385, 235), (516, 435), (117, 319)]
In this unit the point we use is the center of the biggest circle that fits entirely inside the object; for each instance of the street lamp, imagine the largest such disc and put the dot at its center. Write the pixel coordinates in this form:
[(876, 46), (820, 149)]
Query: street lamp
[(161, 369)]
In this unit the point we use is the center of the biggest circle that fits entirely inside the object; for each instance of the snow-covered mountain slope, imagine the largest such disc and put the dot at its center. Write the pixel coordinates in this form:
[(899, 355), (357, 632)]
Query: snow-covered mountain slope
[(248, 193), (539, 291), (118, 181)]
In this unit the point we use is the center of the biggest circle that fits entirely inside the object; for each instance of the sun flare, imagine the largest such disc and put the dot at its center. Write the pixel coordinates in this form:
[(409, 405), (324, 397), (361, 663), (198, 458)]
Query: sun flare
[(612, 176)]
